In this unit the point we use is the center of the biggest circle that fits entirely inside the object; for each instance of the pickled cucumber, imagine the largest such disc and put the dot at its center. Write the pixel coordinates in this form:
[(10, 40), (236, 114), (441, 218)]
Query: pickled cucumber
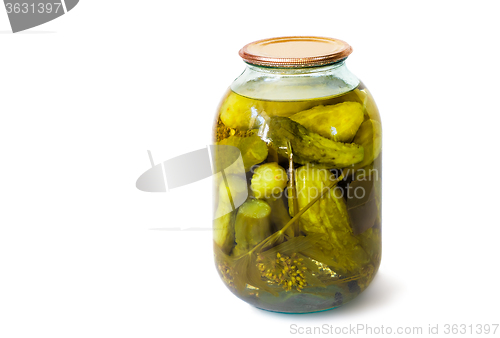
[(232, 189), (369, 106), (338, 122), (241, 113), (253, 150), (269, 180), (252, 225), (369, 136), (279, 215), (311, 148), (328, 217)]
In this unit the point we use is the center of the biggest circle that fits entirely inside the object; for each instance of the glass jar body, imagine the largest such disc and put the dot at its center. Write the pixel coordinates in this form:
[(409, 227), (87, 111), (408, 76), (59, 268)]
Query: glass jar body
[(297, 224)]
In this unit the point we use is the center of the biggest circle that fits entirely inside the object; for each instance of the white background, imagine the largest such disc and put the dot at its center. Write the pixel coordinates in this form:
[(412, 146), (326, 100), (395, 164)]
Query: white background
[(83, 98)]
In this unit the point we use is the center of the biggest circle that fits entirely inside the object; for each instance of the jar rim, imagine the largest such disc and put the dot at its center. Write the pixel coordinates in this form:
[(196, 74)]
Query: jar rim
[(295, 51)]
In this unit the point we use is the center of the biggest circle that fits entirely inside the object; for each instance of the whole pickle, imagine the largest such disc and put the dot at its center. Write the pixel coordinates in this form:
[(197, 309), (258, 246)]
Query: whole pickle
[(362, 205), (369, 136), (269, 180), (329, 217), (253, 150), (363, 196), (309, 147), (233, 188), (338, 122), (252, 225), (279, 215), (370, 108), (239, 112)]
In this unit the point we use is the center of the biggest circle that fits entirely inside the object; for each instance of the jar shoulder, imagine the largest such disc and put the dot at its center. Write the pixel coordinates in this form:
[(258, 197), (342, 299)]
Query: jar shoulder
[(295, 85)]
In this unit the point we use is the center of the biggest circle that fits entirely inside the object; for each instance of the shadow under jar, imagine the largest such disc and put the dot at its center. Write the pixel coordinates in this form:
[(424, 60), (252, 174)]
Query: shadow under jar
[(297, 224)]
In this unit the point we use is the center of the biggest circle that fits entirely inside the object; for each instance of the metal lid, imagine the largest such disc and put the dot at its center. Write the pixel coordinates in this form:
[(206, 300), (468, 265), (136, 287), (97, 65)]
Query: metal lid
[(295, 51)]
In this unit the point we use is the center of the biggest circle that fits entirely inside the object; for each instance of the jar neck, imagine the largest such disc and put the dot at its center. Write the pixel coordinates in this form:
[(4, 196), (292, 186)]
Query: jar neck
[(295, 70), (295, 84)]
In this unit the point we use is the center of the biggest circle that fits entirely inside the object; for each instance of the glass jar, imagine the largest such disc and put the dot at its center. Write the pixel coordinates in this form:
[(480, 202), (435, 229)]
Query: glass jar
[(297, 224)]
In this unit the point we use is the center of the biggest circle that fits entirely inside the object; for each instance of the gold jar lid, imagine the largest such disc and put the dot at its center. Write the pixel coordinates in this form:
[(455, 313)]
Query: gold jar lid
[(295, 51)]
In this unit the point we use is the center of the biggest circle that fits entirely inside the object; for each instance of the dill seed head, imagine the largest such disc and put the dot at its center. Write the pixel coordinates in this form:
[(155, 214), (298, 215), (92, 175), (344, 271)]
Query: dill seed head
[(281, 271)]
